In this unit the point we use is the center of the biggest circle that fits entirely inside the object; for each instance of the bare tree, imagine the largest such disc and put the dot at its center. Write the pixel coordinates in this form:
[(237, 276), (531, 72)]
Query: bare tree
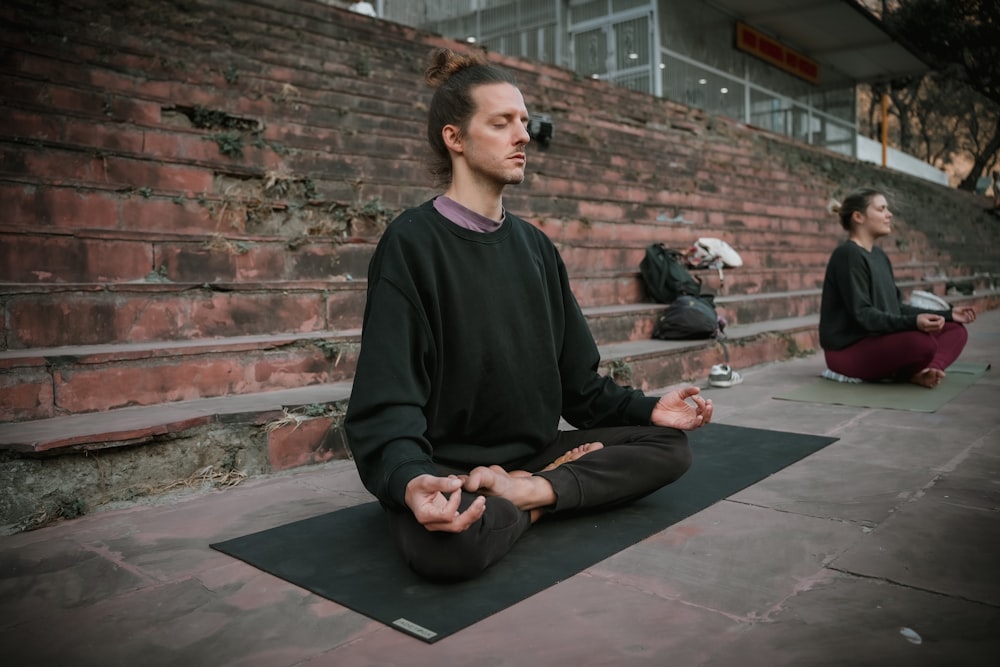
[(962, 39)]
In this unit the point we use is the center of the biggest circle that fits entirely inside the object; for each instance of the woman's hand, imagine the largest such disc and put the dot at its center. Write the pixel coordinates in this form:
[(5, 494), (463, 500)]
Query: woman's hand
[(963, 314), (929, 323)]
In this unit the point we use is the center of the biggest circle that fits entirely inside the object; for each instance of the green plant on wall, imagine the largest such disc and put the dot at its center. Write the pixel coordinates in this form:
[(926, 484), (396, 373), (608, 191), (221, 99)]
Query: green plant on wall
[(621, 371), (230, 143), (363, 65), (331, 350), (361, 215)]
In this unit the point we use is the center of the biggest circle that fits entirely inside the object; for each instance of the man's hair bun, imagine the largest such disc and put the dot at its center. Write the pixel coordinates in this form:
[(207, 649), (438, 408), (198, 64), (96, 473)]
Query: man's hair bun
[(445, 63)]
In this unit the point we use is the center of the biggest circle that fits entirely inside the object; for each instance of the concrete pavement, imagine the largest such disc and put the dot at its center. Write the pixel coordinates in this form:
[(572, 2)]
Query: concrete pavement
[(881, 549)]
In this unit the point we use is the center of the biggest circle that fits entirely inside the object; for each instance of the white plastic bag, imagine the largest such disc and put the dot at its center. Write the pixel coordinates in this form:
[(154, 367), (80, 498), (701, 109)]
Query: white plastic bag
[(717, 248), (712, 253), (921, 299)]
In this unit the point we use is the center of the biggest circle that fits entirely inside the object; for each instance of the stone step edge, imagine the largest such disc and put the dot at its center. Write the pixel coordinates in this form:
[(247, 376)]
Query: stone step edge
[(121, 351)]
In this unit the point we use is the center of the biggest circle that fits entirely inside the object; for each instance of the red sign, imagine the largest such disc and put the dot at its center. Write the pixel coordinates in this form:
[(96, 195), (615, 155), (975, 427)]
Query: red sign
[(770, 50)]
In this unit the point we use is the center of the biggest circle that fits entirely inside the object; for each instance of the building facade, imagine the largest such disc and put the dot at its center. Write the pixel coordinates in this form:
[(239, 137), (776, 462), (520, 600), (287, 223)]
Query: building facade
[(703, 53)]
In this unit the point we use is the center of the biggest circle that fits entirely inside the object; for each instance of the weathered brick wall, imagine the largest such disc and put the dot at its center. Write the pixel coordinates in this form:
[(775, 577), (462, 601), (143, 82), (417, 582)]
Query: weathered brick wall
[(187, 170)]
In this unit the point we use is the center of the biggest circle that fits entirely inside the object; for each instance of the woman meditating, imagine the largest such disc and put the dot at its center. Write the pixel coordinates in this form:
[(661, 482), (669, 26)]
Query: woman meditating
[(865, 329)]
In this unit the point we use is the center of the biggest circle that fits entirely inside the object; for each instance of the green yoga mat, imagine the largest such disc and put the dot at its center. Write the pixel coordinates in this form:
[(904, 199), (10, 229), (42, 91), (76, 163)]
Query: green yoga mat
[(894, 396), (348, 557)]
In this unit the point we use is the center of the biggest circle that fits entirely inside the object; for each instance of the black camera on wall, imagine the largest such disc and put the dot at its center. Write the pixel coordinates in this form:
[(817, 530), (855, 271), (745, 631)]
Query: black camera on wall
[(540, 128)]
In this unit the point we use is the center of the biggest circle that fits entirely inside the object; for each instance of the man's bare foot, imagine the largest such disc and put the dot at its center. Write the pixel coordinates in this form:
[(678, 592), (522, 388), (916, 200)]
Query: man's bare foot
[(929, 378), (523, 488), (571, 455), (527, 492), (574, 454)]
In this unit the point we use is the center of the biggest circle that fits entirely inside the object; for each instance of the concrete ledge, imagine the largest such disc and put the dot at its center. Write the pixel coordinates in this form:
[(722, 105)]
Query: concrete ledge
[(129, 426)]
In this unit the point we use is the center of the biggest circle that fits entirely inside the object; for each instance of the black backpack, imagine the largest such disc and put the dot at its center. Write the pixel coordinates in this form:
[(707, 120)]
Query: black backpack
[(688, 317), (665, 275)]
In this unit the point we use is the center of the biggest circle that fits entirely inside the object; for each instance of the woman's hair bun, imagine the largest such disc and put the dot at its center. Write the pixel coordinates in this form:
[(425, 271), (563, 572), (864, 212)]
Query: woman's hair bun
[(833, 206)]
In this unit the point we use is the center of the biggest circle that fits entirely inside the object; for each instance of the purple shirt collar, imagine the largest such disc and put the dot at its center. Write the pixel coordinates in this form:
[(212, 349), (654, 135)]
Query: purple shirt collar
[(466, 218)]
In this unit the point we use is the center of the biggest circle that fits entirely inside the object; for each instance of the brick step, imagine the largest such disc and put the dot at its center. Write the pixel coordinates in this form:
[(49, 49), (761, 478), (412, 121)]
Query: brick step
[(331, 115), (39, 91), (753, 187), (82, 209), (47, 97), (752, 308), (247, 207), (191, 194), (126, 174), (580, 259), (615, 288), (635, 321), (731, 177), (555, 176), (117, 116), (136, 452), (755, 280), (612, 325), (550, 200), (127, 256), (610, 258), (694, 142), (760, 280), (294, 36), (310, 19), (168, 174), (83, 254), (677, 153), (47, 105), (339, 108), (134, 425), (154, 307), (145, 312), (225, 61), (680, 231), (137, 312), (151, 312), (50, 382), (658, 185), (235, 256), (754, 244), (383, 154), (99, 314), (103, 314), (648, 364), (178, 139), (238, 206)]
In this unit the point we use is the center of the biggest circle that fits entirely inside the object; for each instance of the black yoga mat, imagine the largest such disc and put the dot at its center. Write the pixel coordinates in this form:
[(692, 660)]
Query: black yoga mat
[(348, 557)]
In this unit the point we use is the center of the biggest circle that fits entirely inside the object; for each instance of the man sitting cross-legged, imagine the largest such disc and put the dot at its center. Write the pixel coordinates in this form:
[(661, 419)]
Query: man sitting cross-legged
[(474, 347)]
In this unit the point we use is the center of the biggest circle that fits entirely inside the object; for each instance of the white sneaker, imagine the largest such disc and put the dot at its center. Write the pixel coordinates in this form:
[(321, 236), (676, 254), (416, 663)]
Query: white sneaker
[(722, 375), (838, 377)]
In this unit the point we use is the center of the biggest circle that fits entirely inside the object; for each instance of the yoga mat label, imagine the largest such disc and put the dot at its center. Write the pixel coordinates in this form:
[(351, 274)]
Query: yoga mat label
[(412, 627)]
